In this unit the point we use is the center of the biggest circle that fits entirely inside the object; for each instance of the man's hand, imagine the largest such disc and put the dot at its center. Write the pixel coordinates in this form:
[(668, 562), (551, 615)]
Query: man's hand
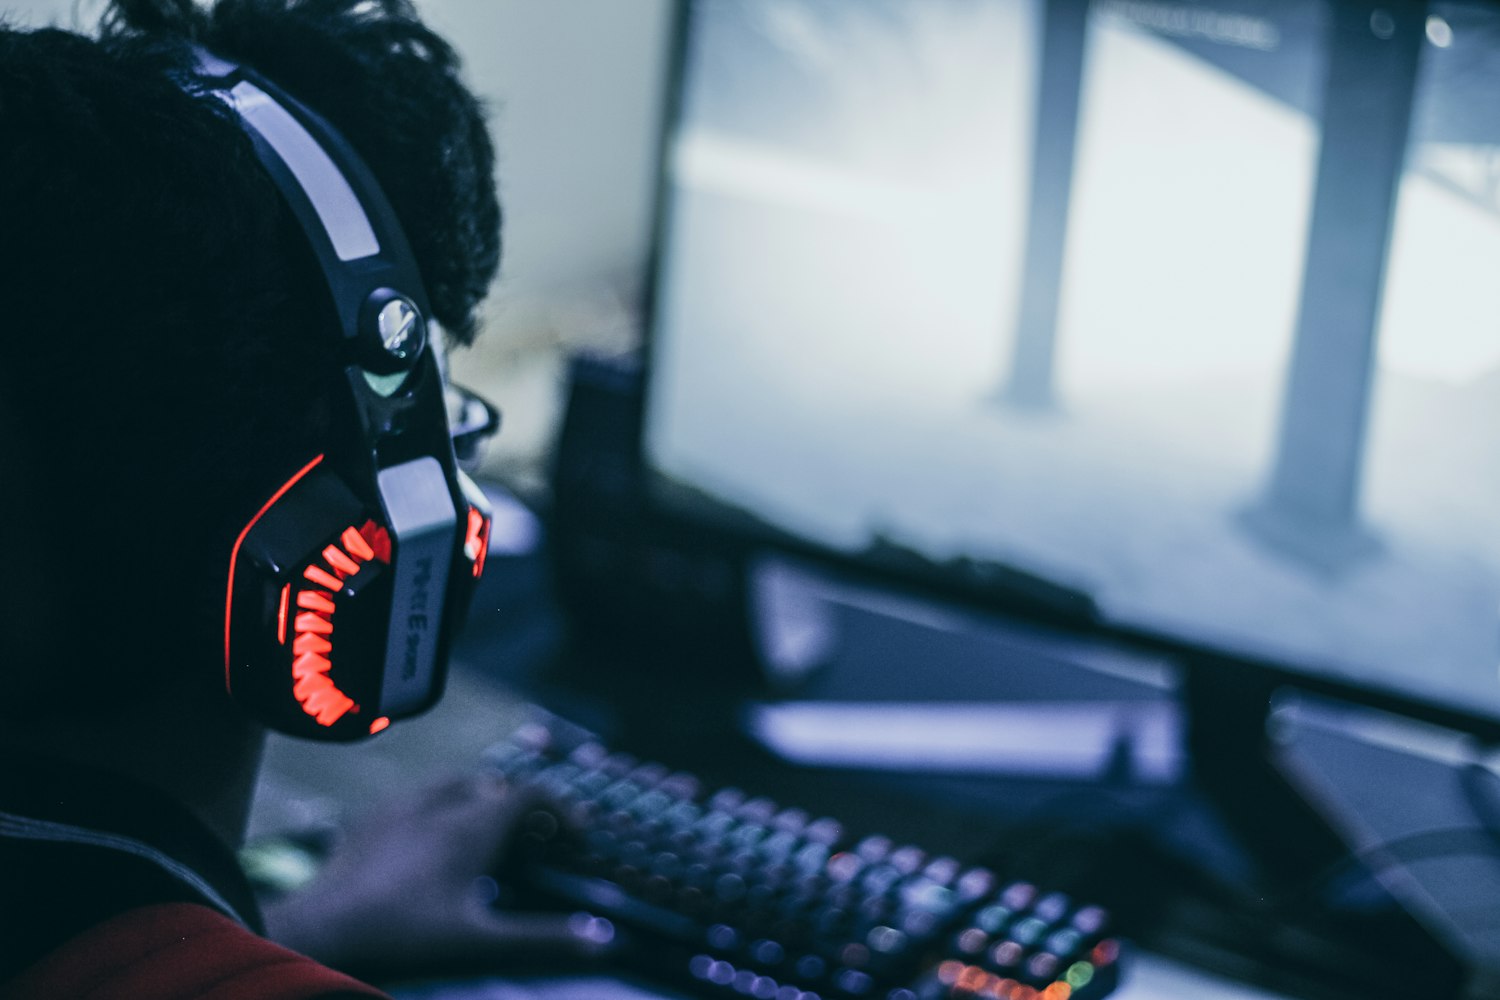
[(404, 892)]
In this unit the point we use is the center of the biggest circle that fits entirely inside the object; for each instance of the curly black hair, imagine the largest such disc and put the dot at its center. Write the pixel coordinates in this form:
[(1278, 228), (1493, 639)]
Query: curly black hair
[(164, 313)]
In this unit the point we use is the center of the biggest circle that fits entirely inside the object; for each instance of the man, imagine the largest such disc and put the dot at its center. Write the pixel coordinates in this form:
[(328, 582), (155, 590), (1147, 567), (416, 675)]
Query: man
[(165, 316)]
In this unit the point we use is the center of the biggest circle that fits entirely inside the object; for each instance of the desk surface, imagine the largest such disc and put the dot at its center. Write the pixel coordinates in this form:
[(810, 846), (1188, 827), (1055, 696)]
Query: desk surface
[(1148, 978)]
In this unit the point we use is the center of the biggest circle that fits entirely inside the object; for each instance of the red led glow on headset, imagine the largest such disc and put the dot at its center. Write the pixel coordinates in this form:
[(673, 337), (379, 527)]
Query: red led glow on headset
[(322, 577), (357, 546), (286, 593), (378, 539), (341, 563), (312, 650), (234, 555), (477, 541)]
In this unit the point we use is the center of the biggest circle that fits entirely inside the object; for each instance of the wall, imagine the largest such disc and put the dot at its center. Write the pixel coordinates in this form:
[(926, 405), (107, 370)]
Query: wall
[(574, 87)]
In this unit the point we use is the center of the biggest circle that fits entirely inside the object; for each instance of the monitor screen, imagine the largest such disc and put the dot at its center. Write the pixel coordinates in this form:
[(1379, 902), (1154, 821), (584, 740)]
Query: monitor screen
[(1136, 302)]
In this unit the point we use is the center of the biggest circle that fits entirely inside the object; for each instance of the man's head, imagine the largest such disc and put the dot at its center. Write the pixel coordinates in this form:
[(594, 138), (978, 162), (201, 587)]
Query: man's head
[(168, 320)]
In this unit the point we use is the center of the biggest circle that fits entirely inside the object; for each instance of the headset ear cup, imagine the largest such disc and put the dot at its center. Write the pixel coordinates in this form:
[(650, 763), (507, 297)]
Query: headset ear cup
[(308, 609)]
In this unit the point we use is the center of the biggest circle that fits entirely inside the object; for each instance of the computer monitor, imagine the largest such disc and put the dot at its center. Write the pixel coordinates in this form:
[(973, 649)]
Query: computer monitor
[(1190, 310)]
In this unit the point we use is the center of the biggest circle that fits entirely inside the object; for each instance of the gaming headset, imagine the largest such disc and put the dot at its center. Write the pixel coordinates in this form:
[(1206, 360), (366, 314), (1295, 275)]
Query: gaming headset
[(350, 581)]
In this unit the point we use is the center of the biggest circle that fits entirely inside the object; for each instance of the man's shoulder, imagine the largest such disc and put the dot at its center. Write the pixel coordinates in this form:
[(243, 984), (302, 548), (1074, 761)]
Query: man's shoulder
[(178, 950)]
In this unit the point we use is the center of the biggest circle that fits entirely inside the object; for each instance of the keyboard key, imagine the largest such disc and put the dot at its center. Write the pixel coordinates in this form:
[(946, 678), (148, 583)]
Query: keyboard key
[(1079, 975), (1089, 920), (824, 831), (1018, 895), (782, 874), (589, 755), (560, 778), (811, 967), (583, 814), (792, 821), (745, 862), (749, 834), (532, 736), (844, 866), (880, 879), (621, 793), (681, 786), (845, 895), (618, 764), (925, 895), (976, 883), (1063, 942), (648, 775), (1042, 968), (593, 783), (763, 988), (812, 858), (993, 919), (972, 941), (653, 803), (683, 814), (514, 761), (874, 848), (1052, 907), (907, 860), (1028, 931), (1006, 955), (726, 799), (919, 925), (854, 982), (768, 952), (722, 937), (886, 940), (758, 810), (942, 870), (876, 910)]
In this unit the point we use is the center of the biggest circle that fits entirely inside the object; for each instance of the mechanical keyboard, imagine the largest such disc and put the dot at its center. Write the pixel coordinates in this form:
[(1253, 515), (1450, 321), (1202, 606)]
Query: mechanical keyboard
[(739, 896)]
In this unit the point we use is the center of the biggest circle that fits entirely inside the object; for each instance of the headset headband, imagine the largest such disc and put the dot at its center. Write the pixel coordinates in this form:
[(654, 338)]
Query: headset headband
[(357, 239)]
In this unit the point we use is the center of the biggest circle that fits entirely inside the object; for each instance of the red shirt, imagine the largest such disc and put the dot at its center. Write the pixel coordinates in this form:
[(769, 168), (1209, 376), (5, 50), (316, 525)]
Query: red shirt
[(177, 951), (110, 890)]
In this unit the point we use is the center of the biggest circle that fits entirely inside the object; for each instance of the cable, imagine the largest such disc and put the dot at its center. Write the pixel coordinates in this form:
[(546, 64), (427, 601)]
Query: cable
[(1481, 787), (1425, 845)]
